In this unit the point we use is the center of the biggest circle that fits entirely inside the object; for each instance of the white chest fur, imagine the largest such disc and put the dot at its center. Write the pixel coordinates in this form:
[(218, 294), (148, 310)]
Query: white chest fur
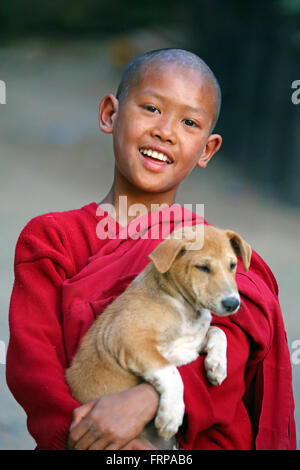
[(191, 336)]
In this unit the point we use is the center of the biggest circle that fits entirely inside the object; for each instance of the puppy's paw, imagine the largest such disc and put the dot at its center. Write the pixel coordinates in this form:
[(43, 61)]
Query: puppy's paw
[(168, 419), (216, 368)]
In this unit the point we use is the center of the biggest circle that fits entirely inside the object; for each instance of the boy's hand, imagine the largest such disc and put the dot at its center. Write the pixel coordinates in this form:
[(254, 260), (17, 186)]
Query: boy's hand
[(114, 421)]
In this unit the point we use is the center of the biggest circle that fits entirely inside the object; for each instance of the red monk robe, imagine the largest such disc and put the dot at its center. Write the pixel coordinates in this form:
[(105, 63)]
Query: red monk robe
[(65, 276)]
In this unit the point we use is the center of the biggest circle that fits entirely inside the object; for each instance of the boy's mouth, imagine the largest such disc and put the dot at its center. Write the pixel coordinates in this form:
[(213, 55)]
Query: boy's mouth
[(156, 156)]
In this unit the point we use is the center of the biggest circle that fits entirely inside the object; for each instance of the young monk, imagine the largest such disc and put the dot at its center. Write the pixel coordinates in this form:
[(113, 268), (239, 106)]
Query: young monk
[(69, 266)]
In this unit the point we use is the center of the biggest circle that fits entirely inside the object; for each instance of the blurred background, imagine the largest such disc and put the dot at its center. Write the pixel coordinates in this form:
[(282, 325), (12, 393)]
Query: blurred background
[(58, 61)]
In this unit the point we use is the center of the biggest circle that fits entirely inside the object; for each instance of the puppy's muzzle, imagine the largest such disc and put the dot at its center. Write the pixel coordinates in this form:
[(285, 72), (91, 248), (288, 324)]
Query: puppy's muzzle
[(231, 304)]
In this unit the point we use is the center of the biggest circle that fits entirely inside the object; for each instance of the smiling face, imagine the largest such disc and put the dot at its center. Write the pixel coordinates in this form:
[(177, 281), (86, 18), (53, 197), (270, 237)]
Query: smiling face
[(161, 131)]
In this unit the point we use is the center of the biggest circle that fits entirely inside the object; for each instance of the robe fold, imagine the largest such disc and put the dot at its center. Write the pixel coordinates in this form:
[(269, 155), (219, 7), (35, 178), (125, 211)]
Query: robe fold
[(65, 276)]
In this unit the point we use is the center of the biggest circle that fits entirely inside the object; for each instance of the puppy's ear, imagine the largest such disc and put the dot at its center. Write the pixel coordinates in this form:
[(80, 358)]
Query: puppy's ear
[(165, 253), (240, 247)]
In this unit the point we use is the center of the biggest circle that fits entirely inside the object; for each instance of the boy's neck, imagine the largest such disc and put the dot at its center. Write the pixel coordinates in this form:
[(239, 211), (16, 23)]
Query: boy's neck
[(129, 205)]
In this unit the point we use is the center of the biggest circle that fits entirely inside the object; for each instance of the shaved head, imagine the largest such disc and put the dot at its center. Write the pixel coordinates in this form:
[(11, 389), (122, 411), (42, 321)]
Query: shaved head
[(139, 66)]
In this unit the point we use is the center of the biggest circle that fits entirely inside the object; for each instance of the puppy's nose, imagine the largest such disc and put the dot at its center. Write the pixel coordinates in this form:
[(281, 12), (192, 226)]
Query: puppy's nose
[(230, 304)]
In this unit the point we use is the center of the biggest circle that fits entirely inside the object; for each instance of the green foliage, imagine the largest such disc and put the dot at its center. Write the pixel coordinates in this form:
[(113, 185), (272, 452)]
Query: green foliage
[(290, 7), (81, 16)]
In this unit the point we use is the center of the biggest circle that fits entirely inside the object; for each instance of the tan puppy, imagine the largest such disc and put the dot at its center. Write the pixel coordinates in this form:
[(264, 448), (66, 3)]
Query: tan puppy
[(161, 321)]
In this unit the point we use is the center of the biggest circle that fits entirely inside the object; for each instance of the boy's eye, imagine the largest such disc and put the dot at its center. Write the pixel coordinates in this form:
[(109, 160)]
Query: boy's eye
[(150, 108), (190, 123)]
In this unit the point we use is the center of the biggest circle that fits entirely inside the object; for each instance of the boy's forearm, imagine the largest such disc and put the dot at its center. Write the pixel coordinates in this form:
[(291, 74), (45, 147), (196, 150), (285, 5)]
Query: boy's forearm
[(151, 399)]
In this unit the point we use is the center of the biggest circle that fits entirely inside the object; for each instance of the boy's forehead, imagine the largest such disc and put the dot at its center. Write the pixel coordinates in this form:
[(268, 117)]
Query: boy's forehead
[(167, 78), (169, 70)]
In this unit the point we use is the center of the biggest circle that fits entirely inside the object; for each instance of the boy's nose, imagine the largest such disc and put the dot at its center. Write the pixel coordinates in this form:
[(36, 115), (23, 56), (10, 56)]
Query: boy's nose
[(165, 132)]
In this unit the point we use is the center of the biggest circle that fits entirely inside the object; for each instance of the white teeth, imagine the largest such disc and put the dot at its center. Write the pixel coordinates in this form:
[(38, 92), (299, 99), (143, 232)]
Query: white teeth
[(155, 154)]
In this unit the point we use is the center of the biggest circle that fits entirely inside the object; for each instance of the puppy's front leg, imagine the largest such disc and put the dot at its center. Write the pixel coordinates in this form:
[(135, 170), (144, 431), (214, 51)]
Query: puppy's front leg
[(216, 360), (168, 383), (155, 369)]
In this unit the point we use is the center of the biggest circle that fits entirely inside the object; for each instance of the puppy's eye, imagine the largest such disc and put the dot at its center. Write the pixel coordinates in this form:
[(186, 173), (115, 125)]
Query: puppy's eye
[(232, 266), (203, 268), (181, 252)]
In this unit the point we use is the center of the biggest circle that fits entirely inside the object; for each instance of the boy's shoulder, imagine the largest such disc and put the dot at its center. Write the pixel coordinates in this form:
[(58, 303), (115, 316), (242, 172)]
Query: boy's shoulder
[(63, 217), (61, 231)]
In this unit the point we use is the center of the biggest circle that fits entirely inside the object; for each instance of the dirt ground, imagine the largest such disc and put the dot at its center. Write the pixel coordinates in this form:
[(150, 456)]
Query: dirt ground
[(53, 157)]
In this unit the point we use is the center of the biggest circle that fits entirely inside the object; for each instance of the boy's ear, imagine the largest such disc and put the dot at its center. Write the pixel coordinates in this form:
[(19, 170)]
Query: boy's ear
[(213, 144), (107, 112)]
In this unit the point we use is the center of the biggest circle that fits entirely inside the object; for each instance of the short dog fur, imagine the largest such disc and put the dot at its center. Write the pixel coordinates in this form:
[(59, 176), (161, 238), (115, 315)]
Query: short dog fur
[(162, 321)]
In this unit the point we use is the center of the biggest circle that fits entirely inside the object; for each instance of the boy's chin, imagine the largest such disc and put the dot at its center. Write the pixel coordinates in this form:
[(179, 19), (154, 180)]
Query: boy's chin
[(148, 184), (156, 188)]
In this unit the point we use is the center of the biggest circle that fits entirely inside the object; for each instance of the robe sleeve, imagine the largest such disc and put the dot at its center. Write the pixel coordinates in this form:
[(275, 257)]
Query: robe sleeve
[(216, 416), (254, 406), (36, 357), (268, 377)]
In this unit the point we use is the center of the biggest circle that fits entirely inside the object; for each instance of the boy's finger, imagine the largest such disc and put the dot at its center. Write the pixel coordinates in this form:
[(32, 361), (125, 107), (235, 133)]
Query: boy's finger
[(137, 444), (80, 413), (79, 430), (88, 441), (102, 444)]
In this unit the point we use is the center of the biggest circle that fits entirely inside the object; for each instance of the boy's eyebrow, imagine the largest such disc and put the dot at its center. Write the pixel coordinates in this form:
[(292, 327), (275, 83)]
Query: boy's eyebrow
[(163, 98)]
